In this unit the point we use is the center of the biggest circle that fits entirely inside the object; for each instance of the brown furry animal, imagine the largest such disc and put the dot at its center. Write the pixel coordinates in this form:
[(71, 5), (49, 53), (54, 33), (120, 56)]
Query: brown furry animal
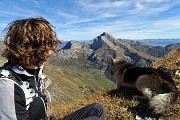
[(155, 85)]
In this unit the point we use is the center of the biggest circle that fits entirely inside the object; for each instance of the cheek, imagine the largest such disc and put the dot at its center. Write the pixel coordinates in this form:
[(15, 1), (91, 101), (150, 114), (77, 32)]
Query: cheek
[(51, 52)]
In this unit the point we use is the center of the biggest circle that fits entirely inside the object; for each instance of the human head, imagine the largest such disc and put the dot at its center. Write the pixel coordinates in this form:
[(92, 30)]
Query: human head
[(28, 41)]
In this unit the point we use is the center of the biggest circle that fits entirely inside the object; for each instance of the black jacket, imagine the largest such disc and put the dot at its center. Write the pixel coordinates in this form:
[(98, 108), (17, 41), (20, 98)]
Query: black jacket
[(22, 94)]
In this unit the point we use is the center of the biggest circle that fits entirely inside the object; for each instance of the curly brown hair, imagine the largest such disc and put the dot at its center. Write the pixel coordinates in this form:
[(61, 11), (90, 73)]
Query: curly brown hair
[(28, 41)]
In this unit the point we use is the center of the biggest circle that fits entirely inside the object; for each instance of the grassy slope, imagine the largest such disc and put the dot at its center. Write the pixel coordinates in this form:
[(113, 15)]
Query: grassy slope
[(72, 84)]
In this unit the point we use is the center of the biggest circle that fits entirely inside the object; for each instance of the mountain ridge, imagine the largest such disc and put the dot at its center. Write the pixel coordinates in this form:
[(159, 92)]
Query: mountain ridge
[(107, 42), (160, 42)]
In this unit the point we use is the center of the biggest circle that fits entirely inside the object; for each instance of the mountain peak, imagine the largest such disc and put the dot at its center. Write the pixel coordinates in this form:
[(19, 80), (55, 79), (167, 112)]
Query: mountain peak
[(108, 37), (106, 34), (103, 39)]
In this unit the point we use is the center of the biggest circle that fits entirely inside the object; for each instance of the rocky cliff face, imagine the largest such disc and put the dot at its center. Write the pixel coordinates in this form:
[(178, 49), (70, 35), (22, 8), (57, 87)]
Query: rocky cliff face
[(100, 50)]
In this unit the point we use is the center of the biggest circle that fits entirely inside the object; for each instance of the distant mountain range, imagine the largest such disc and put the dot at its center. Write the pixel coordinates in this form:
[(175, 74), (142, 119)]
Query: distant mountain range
[(154, 42), (159, 42)]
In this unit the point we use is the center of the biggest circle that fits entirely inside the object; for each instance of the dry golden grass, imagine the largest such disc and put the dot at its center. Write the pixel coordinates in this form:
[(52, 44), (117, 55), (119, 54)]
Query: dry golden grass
[(171, 61), (118, 105)]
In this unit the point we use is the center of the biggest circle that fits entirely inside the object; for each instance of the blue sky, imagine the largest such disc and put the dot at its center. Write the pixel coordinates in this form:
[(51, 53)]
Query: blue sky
[(87, 19)]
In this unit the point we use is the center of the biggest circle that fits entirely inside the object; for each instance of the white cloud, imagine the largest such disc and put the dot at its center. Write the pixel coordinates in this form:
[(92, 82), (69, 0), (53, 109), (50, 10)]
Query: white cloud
[(126, 29), (139, 6), (154, 1), (36, 3), (92, 5), (66, 15), (168, 24)]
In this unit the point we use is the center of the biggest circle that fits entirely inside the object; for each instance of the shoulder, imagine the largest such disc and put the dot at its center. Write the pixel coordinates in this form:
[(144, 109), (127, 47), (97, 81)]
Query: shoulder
[(8, 85), (7, 98)]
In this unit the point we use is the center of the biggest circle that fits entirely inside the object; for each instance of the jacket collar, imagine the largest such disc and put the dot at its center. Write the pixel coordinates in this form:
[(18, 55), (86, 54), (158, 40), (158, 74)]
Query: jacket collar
[(20, 70)]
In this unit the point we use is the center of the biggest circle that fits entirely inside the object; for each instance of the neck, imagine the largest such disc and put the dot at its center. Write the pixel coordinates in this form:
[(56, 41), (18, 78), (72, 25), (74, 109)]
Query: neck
[(32, 67), (29, 67)]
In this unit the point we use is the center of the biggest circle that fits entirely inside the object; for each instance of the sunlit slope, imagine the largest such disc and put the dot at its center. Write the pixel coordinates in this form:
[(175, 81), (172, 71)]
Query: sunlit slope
[(71, 84)]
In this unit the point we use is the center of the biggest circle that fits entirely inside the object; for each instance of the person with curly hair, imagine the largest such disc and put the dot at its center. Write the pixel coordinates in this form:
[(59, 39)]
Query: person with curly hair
[(28, 44)]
